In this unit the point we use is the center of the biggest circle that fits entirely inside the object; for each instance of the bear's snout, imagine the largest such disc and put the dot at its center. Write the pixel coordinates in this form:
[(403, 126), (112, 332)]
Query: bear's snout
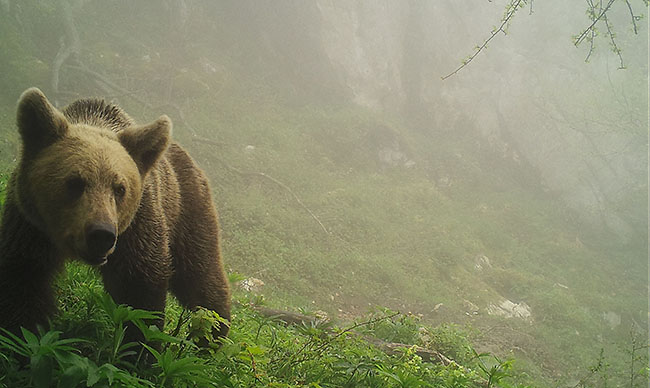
[(100, 240)]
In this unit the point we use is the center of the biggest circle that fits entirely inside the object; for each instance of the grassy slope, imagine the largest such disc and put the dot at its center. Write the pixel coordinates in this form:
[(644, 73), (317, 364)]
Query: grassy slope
[(398, 237), (400, 240)]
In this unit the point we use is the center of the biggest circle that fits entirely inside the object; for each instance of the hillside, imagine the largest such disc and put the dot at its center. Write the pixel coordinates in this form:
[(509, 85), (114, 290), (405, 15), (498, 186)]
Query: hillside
[(338, 190)]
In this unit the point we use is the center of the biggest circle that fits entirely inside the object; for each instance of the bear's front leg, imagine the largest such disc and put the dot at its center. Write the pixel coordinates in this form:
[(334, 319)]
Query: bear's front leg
[(28, 265), (135, 289), (26, 296)]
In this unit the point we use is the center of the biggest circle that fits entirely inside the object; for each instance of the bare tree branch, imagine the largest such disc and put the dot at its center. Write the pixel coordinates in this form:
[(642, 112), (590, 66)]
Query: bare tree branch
[(596, 13), (634, 18), (272, 179), (612, 39), (390, 348), (584, 33), (512, 8), (592, 12)]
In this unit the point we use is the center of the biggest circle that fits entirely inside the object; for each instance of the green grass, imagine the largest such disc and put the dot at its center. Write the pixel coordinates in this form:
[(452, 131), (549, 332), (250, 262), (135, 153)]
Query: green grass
[(398, 238), (85, 348)]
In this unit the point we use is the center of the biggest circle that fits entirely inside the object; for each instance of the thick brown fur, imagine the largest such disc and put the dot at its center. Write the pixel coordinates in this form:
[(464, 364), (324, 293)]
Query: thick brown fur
[(91, 185)]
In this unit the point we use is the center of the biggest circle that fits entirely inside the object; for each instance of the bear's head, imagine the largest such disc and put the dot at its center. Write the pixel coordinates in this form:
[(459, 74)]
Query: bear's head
[(81, 184)]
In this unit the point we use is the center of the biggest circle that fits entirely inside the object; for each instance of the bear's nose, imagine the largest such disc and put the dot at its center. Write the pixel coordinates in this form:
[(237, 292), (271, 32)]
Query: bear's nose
[(100, 239)]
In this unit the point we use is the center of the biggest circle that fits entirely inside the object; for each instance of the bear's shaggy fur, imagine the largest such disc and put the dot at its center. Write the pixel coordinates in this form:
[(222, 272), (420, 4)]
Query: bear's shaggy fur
[(92, 185)]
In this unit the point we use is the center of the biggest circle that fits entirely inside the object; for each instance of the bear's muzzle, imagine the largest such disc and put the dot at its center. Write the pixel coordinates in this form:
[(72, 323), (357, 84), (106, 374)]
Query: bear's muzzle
[(100, 242)]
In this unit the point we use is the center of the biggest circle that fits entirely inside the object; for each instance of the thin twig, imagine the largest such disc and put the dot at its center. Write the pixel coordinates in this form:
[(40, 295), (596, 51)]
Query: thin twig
[(294, 196), (629, 6), (272, 179), (200, 139), (331, 339), (612, 38), (390, 348), (593, 31), (591, 45), (584, 33), (366, 323), (510, 12)]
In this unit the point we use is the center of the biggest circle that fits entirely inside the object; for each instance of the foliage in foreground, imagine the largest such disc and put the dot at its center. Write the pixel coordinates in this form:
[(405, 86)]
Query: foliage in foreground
[(259, 352)]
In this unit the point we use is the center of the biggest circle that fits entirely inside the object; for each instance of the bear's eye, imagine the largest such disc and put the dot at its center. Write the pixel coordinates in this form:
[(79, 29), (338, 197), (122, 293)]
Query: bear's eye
[(75, 186), (119, 191)]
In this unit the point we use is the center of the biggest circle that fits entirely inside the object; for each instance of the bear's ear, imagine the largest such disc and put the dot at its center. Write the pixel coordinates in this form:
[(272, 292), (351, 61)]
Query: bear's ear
[(39, 123), (147, 143)]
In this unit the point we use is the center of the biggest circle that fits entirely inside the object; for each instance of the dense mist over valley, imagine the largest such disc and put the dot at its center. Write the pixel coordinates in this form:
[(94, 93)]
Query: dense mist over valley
[(354, 170)]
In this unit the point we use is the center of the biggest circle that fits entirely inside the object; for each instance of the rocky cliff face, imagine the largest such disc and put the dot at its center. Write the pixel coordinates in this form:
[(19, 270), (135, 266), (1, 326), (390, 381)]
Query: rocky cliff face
[(364, 42), (530, 96)]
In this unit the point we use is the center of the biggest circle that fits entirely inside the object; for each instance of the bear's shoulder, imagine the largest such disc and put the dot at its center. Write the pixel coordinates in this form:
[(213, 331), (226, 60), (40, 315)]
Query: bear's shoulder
[(99, 113)]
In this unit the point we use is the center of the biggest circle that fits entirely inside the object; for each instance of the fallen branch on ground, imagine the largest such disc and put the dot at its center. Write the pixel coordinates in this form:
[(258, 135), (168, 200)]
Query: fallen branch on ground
[(266, 176), (390, 348)]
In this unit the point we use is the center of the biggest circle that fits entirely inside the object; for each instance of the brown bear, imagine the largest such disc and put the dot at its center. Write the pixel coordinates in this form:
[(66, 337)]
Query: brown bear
[(91, 185)]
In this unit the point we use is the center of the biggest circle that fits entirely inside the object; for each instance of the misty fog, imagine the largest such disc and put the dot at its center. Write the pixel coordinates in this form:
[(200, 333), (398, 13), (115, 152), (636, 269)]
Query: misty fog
[(510, 199)]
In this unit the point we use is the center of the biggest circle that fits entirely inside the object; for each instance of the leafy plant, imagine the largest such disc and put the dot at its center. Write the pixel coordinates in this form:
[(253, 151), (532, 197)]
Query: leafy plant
[(42, 352), (203, 324), (494, 372), (53, 359), (394, 327), (172, 369)]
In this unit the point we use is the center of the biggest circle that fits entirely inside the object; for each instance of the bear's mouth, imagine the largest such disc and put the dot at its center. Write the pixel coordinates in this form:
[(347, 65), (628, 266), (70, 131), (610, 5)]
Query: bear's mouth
[(96, 261)]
